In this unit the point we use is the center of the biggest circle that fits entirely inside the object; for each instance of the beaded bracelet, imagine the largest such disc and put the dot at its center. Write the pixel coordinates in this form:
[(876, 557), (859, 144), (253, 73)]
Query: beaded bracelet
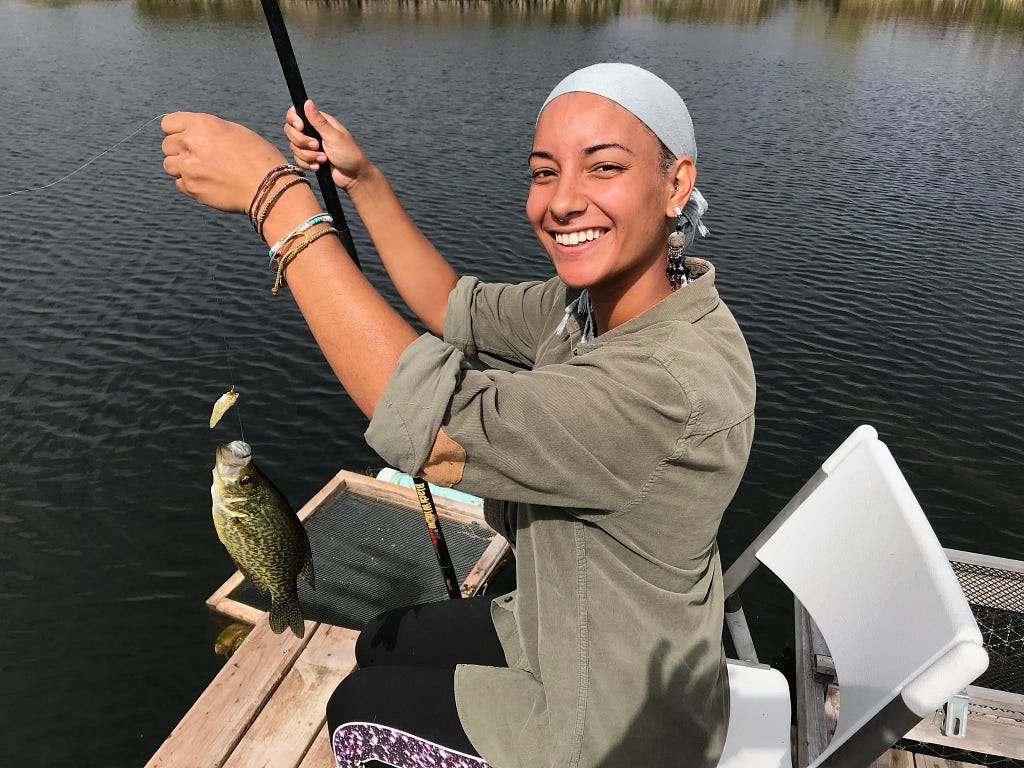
[(311, 221), (307, 240), (274, 198), (264, 191), (266, 185), (272, 175)]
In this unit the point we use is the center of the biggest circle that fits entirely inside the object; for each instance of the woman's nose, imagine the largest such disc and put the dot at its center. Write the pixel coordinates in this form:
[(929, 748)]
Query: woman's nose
[(568, 201)]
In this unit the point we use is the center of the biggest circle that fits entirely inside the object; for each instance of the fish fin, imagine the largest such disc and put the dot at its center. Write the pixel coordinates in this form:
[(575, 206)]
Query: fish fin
[(284, 614)]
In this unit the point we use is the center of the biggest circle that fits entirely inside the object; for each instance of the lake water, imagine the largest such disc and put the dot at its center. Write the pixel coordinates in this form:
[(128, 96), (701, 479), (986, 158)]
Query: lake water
[(867, 213)]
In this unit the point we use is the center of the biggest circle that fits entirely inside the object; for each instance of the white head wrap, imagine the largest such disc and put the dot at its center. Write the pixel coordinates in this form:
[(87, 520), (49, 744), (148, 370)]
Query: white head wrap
[(653, 102)]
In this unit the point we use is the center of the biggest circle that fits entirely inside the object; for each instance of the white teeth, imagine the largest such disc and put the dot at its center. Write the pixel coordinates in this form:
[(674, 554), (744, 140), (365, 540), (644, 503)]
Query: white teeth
[(575, 238)]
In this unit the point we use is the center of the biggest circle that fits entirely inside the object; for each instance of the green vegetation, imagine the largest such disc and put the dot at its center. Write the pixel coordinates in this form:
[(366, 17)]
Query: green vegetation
[(1007, 14)]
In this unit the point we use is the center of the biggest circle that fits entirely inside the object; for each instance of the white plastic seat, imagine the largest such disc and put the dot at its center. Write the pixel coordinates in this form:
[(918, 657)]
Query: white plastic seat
[(856, 550), (758, 734)]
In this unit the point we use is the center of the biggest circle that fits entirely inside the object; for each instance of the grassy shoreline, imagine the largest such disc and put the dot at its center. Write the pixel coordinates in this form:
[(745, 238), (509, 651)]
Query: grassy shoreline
[(990, 14)]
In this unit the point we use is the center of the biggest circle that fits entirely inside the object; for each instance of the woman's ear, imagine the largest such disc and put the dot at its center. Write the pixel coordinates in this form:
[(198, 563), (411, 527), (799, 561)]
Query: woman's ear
[(683, 179)]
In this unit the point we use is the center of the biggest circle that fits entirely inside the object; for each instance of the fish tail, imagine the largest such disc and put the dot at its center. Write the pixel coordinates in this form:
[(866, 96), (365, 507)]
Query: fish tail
[(286, 613)]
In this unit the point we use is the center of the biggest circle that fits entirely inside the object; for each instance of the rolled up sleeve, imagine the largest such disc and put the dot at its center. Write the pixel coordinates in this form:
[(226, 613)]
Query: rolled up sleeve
[(501, 324), (568, 434), (409, 414), (531, 435), (592, 433)]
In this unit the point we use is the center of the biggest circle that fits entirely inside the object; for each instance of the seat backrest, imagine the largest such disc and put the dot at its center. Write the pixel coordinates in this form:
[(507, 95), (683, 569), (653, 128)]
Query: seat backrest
[(861, 557)]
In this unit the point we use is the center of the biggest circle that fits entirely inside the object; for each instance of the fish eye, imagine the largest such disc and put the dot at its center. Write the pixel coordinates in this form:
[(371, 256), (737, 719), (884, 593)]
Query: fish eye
[(246, 481)]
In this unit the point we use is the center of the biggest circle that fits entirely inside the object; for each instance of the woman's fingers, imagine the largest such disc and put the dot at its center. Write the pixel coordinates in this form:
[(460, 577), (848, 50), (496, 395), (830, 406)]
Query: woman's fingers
[(214, 161), (297, 138), (336, 145), (305, 150), (175, 122)]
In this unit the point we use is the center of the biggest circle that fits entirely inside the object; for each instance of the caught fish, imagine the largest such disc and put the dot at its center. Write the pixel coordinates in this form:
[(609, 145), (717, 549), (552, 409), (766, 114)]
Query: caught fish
[(230, 639), (261, 532), (224, 402)]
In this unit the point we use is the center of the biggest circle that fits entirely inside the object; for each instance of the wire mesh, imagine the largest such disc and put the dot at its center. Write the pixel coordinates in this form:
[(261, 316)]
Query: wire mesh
[(371, 555), (959, 755), (996, 597)]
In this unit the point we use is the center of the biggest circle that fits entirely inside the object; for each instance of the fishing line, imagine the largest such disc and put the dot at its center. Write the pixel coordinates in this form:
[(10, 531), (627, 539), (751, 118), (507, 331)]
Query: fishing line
[(87, 162), (231, 373)]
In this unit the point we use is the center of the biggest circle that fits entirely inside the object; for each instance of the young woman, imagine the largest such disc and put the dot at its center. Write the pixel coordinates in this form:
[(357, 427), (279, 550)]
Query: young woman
[(608, 434)]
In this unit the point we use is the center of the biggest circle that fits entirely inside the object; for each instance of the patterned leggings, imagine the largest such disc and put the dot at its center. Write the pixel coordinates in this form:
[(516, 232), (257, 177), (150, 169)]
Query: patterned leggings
[(398, 708)]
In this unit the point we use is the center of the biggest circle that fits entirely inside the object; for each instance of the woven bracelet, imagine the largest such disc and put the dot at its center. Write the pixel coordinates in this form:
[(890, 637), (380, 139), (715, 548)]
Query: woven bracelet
[(307, 240), (266, 185), (261, 219)]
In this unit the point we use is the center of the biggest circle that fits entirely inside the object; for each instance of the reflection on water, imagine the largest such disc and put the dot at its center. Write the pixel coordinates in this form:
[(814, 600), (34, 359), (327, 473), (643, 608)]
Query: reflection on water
[(991, 14)]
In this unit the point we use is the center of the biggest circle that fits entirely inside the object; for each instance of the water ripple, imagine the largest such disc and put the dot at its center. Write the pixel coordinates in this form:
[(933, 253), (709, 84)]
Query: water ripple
[(866, 204)]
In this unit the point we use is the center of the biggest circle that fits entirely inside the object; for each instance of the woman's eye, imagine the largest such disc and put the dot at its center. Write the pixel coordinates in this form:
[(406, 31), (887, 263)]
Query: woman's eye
[(607, 169), (539, 174)]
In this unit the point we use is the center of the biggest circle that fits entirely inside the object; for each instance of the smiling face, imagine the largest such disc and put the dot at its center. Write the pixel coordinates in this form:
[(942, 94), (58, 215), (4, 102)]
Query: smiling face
[(599, 199)]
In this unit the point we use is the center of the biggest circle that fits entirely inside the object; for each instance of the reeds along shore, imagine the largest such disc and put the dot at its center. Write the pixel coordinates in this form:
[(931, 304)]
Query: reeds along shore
[(988, 13)]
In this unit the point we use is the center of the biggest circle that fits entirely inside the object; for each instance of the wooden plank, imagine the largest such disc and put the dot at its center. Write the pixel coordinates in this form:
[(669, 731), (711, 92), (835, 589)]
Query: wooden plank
[(894, 758), (335, 485), (289, 723), (221, 602), (831, 709), (213, 726), (824, 666), (490, 561), (995, 725), (810, 710), (1008, 704), (930, 761), (319, 754), (393, 493)]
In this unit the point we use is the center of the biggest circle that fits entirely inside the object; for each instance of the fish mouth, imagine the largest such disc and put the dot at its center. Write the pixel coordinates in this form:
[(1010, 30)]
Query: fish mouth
[(240, 449), (233, 457)]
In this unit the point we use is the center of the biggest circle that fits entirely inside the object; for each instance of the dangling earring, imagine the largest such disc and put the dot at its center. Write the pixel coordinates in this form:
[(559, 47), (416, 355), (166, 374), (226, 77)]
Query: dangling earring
[(676, 271)]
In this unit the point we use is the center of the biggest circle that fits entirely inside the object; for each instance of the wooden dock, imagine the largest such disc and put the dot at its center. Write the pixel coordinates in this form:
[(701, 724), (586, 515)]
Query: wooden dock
[(266, 707)]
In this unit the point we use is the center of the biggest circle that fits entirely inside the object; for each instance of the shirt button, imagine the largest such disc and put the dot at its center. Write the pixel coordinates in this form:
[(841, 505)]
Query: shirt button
[(508, 599)]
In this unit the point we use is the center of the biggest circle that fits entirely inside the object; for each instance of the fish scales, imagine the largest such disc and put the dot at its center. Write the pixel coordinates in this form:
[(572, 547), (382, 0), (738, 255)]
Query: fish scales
[(261, 532)]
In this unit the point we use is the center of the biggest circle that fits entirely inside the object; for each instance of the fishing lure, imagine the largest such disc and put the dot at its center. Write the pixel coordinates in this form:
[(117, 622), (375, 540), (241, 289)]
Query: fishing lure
[(224, 402)]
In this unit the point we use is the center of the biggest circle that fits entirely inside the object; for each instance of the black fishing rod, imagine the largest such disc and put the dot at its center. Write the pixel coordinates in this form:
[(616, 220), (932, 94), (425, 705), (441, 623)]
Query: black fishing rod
[(451, 581), (297, 90), (293, 78)]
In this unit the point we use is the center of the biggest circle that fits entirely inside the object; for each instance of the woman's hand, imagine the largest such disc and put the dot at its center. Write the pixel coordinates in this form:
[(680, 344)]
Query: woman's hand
[(347, 160), (218, 163)]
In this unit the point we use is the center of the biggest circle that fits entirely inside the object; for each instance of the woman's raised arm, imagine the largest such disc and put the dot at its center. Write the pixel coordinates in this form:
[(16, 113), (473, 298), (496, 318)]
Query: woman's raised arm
[(420, 273), (222, 164)]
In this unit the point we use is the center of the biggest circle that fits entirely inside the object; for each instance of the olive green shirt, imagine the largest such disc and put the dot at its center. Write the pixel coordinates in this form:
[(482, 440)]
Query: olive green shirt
[(615, 460)]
